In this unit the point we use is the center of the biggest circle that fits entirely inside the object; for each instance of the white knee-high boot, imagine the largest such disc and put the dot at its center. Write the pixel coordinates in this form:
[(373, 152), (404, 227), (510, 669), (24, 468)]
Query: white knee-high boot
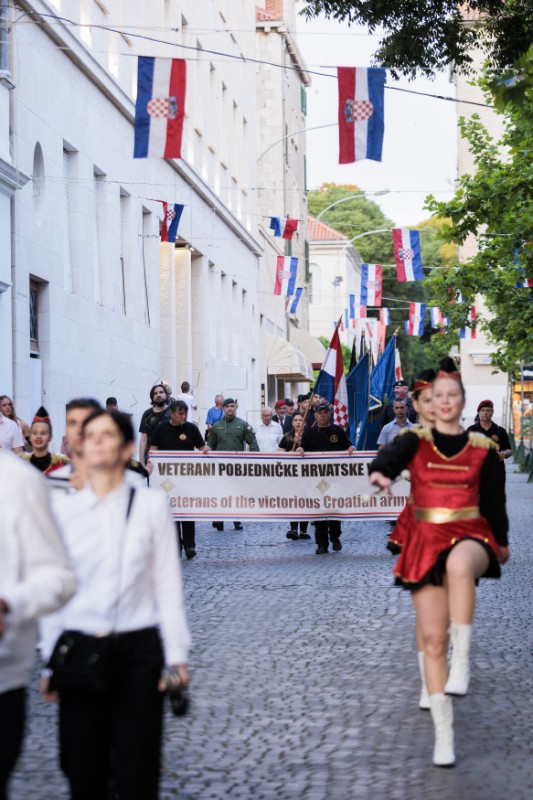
[(442, 715), (459, 675), (423, 703)]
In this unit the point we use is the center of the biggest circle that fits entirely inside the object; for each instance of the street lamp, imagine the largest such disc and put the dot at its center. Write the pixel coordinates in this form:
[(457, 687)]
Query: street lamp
[(353, 197)]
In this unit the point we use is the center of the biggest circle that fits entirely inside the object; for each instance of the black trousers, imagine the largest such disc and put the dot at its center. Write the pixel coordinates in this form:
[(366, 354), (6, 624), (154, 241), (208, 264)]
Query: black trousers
[(303, 527), (12, 719), (186, 535), (325, 528), (117, 733)]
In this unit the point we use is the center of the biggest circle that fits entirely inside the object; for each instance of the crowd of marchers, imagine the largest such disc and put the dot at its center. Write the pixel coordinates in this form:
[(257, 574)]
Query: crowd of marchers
[(95, 557)]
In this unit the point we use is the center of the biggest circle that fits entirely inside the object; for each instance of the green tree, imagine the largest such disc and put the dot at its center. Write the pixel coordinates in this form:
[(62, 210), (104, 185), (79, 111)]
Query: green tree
[(427, 36), (360, 215), (494, 204)]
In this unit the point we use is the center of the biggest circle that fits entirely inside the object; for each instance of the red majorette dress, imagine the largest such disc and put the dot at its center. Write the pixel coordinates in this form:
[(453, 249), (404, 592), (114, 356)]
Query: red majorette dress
[(455, 496)]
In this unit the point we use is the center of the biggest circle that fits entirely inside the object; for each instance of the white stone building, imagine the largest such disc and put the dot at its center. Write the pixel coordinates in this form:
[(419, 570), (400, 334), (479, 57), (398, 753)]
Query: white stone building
[(335, 273), (90, 302), (287, 348)]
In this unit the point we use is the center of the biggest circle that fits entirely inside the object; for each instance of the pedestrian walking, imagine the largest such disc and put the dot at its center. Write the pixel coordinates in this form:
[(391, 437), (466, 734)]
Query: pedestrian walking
[(214, 414), (398, 424), (459, 535), (187, 397), (11, 437), (401, 392), (35, 579), (233, 434), (268, 433), (179, 435), (325, 437), (288, 444), (74, 475), (158, 412), (107, 648), (40, 437), (499, 435)]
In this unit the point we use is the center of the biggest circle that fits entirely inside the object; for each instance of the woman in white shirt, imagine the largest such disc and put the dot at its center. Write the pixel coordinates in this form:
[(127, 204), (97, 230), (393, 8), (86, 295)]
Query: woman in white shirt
[(122, 544)]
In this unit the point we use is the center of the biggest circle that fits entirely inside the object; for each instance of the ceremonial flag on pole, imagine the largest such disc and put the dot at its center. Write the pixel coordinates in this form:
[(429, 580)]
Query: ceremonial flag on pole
[(358, 387), (361, 113), (286, 270), (467, 332), (381, 389), (297, 295), (384, 316), (331, 381), (371, 282), (357, 311), (417, 315), (407, 255), (160, 107), (398, 375), (171, 220), (283, 226)]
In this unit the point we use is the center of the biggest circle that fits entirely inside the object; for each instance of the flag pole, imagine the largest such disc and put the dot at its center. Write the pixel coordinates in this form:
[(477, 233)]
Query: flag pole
[(313, 393)]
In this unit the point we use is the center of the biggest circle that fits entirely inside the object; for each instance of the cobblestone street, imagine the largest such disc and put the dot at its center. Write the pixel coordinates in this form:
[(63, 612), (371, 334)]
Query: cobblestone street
[(305, 678)]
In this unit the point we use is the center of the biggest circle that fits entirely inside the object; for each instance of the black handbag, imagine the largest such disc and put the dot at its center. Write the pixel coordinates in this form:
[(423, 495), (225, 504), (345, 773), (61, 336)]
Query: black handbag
[(79, 661)]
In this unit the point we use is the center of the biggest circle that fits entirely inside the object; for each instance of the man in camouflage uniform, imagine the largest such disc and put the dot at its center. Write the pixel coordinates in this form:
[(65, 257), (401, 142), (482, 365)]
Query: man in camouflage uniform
[(231, 433)]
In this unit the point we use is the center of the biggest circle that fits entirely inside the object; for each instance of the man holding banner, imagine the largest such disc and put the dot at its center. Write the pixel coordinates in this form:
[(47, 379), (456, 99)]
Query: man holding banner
[(325, 437)]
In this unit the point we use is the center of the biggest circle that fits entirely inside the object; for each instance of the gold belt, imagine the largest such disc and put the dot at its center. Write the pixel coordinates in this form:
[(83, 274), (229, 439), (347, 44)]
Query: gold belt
[(442, 515)]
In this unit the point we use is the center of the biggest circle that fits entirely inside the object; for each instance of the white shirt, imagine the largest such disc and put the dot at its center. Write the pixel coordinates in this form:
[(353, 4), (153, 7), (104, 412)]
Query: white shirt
[(10, 434), (191, 404), (128, 572), (35, 575), (268, 436)]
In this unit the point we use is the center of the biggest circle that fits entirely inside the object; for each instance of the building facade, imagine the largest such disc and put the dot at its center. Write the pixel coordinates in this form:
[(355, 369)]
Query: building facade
[(91, 303)]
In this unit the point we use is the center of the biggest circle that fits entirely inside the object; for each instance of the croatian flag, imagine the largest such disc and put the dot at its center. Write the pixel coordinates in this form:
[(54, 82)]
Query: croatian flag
[(397, 365), (171, 220), (407, 255), (357, 311), (415, 325), (331, 382), (361, 113), (467, 332), (294, 304), (286, 270), (371, 282), (283, 226), (160, 107), (436, 318), (384, 316)]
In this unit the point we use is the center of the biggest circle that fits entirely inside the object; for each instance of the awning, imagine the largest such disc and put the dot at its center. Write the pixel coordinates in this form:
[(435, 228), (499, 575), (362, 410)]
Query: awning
[(285, 361), (310, 346)]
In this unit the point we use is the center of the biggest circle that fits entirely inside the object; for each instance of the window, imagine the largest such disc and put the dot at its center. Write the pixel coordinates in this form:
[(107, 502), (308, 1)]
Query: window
[(123, 222), (34, 316), (67, 260)]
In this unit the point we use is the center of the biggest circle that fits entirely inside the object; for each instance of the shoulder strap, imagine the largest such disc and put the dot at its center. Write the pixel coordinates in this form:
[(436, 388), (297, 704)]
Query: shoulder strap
[(130, 502)]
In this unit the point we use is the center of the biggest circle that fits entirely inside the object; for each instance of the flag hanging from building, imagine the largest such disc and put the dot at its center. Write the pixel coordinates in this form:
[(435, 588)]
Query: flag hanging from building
[(407, 255), (470, 332), (283, 226), (171, 220), (384, 316), (415, 325), (160, 107), (438, 320), (371, 282), (286, 271), (294, 304), (361, 113), (331, 381), (357, 311)]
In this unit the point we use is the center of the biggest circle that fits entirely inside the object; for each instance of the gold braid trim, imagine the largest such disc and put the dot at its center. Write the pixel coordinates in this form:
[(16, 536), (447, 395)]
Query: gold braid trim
[(480, 440), (422, 433)]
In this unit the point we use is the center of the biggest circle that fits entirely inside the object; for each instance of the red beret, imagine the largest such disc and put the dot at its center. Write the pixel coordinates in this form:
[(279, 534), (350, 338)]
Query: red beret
[(485, 404), (280, 403)]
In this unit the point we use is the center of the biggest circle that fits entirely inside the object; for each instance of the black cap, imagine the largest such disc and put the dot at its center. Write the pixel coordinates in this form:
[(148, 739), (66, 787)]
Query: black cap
[(323, 406), (401, 383), (111, 401), (303, 397)]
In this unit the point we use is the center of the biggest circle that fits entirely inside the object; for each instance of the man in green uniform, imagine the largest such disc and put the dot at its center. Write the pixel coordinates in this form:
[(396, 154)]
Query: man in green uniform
[(231, 433)]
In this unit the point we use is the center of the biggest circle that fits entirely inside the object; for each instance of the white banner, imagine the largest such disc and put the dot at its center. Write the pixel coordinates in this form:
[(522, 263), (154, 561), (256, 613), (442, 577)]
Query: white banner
[(257, 486)]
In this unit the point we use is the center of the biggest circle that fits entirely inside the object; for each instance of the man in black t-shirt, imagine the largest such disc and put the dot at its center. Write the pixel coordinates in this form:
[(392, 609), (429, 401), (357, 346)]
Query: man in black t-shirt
[(401, 392), (158, 412), (495, 432), (178, 434), (325, 437)]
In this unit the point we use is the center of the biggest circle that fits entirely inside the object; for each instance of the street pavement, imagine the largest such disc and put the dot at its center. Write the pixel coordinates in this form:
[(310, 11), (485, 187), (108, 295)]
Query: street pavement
[(305, 679)]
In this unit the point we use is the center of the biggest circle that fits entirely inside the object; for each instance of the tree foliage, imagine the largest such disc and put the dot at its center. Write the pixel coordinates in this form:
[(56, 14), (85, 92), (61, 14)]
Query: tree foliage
[(360, 215), (494, 204), (432, 35)]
